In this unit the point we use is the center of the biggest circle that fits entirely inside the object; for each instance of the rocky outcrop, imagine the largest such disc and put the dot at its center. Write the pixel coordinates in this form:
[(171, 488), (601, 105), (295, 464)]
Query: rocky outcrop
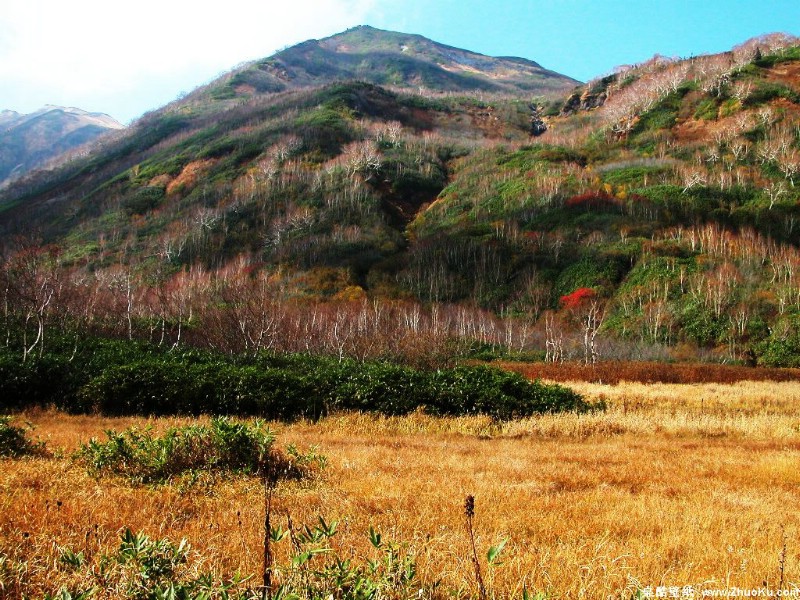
[(592, 95)]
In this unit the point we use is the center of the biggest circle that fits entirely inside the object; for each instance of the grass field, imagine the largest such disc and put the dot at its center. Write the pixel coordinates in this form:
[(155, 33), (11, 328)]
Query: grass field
[(673, 485)]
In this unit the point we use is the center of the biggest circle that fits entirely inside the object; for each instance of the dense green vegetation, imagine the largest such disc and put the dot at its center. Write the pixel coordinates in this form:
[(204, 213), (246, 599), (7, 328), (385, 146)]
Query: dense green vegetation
[(127, 378)]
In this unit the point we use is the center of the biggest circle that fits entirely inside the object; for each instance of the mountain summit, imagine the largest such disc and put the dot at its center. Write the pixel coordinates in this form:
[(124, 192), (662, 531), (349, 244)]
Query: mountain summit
[(395, 59)]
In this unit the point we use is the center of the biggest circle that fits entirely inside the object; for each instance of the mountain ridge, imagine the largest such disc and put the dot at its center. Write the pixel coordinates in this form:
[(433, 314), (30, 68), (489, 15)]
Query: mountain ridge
[(42, 138)]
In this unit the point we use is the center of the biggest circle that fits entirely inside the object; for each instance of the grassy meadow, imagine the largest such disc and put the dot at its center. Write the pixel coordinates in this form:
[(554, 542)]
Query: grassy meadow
[(673, 485)]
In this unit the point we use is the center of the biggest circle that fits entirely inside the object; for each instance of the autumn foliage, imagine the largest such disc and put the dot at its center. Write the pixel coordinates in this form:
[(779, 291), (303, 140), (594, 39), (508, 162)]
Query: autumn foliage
[(593, 200), (577, 298), (615, 372)]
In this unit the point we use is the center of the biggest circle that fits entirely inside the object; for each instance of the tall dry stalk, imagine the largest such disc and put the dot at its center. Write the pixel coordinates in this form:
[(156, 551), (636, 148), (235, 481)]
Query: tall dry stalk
[(782, 560), (268, 557), (469, 512)]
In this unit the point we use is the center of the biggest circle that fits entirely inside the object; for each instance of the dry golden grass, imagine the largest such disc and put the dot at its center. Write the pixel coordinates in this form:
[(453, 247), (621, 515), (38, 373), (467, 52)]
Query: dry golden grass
[(673, 485)]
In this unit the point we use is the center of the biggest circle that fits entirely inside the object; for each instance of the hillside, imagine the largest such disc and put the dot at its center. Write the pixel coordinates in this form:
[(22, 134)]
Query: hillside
[(657, 215), (345, 154), (28, 142), (318, 119), (665, 215)]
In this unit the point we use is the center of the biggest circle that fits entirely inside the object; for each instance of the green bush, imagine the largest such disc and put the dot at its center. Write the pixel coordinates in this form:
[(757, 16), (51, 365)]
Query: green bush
[(766, 91), (590, 272), (485, 352), (222, 446), (782, 347), (146, 568), (147, 387), (257, 77), (785, 55), (633, 175), (662, 116), (277, 394), (14, 440), (325, 130), (381, 387), (312, 566), (143, 200), (524, 159), (317, 569), (500, 394), (700, 326), (707, 110), (38, 381), (169, 386)]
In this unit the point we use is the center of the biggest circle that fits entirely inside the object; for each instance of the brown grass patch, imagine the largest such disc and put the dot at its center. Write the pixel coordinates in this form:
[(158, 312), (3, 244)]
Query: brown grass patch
[(613, 372), (673, 485), (189, 176)]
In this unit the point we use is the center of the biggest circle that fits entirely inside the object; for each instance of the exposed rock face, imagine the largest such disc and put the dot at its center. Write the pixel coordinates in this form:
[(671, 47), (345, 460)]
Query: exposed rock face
[(538, 126), (592, 95)]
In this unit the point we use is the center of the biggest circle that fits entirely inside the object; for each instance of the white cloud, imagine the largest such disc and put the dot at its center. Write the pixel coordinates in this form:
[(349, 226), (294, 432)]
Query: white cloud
[(93, 49)]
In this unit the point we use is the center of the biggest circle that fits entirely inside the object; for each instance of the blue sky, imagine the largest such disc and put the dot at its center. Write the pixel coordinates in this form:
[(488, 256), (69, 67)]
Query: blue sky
[(126, 58)]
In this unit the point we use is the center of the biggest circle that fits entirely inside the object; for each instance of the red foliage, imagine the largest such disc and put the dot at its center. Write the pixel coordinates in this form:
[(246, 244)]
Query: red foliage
[(576, 298), (253, 269), (593, 200)]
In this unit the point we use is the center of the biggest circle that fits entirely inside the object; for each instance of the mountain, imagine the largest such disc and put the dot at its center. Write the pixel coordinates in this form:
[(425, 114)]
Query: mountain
[(657, 207), (316, 94), (31, 141), (393, 59), (8, 116)]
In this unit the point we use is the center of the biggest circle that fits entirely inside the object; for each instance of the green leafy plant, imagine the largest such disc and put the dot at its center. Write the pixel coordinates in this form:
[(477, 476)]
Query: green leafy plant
[(71, 559), (145, 568), (310, 459), (500, 394), (314, 569), (222, 446)]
